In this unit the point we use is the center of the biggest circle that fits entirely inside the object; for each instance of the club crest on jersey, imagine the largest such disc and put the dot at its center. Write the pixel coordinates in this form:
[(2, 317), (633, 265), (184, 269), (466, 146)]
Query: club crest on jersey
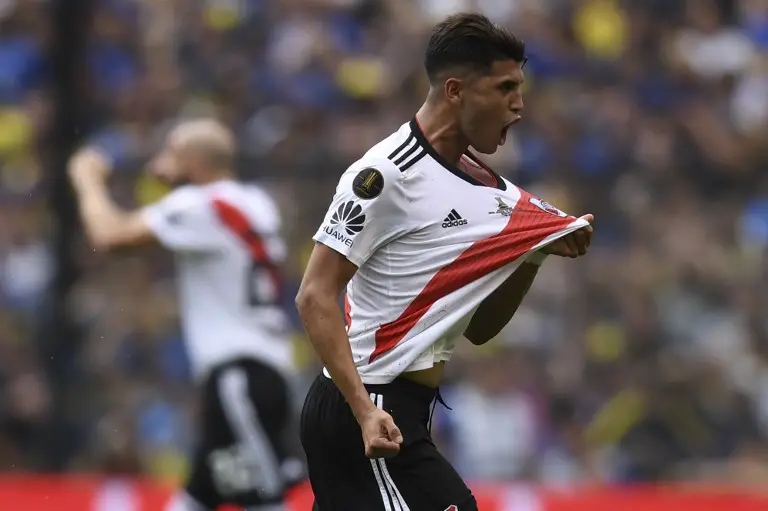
[(368, 183), (546, 206), (346, 222), (503, 208)]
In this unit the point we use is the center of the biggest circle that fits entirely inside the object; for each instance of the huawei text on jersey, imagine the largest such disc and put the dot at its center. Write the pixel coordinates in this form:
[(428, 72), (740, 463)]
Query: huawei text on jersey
[(330, 231), (348, 218)]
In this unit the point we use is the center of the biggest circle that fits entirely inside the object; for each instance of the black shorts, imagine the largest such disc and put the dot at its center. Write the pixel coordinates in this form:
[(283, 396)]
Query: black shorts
[(419, 478), (245, 411)]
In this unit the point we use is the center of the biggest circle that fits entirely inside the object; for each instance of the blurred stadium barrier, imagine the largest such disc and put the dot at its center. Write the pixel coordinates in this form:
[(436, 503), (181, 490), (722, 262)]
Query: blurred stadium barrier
[(41, 493)]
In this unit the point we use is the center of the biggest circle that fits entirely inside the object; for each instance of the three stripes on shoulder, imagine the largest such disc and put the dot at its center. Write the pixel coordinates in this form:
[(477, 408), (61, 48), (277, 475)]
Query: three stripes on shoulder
[(408, 153), (405, 156)]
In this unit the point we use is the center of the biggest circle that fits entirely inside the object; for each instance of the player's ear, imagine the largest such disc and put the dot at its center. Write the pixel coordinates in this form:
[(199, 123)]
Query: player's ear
[(454, 88)]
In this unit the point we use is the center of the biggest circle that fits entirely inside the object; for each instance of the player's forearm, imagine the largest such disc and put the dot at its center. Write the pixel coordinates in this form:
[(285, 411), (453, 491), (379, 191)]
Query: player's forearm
[(100, 215), (498, 308), (324, 324)]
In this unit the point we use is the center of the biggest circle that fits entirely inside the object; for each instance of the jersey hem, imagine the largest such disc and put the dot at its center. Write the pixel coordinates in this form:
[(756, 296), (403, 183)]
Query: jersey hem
[(368, 380), (378, 379)]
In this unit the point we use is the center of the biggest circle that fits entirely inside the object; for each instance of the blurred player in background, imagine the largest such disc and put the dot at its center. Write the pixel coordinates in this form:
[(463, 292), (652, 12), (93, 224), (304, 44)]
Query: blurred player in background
[(225, 235), (433, 248)]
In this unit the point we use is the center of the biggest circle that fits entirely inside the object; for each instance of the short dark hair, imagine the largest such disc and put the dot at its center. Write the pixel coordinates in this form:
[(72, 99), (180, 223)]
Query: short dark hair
[(470, 41)]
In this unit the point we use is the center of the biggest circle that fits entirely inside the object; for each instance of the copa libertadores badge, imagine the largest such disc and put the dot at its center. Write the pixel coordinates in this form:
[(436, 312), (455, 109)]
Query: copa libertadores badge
[(368, 183)]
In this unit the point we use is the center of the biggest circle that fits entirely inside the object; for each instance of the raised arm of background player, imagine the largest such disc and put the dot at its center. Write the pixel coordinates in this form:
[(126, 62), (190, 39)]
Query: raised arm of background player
[(180, 221), (107, 226), (381, 213), (499, 307)]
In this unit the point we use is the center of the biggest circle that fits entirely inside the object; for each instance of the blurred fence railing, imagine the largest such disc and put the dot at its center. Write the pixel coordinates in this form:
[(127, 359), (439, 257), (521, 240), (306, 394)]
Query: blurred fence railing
[(42, 493)]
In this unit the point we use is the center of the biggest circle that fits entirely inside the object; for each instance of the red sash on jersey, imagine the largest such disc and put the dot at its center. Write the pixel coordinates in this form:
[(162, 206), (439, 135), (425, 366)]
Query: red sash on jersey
[(528, 226)]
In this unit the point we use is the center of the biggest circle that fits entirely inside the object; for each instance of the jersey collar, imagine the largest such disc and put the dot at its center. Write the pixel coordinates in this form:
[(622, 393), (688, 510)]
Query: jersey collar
[(422, 140)]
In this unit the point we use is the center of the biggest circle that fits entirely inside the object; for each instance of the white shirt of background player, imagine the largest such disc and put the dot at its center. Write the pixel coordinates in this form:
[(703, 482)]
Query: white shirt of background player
[(223, 233)]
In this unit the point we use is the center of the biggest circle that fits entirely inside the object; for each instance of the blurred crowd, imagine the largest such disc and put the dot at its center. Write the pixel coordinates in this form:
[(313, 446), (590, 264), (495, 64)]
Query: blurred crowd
[(646, 360)]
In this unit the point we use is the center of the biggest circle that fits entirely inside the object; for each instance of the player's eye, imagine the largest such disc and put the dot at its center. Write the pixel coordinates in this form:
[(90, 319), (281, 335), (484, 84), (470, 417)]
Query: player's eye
[(509, 86)]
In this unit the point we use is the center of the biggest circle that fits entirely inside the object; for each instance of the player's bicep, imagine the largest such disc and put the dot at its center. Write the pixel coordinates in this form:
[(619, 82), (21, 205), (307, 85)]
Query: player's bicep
[(130, 231), (328, 271)]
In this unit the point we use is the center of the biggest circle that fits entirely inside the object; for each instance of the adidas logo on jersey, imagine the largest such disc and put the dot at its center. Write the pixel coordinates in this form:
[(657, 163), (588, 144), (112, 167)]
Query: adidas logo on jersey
[(453, 220)]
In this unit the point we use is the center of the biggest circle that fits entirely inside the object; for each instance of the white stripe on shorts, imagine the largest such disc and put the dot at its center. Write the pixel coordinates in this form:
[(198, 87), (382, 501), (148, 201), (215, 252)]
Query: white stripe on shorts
[(393, 500), (244, 421)]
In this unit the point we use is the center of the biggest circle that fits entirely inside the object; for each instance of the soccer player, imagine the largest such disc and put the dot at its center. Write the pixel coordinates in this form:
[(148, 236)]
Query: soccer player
[(225, 235), (433, 248)]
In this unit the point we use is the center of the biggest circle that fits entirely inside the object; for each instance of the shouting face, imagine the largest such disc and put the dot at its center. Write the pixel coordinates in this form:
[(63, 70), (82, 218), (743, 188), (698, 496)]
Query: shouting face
[(488, 104)]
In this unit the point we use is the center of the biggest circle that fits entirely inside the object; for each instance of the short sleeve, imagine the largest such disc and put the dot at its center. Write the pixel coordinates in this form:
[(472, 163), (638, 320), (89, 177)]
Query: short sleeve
[(183, 221), (367, 210)]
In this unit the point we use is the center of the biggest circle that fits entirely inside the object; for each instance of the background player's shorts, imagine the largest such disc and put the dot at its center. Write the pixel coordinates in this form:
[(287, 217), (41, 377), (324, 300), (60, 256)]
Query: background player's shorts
[(343, 479), (245, 410)]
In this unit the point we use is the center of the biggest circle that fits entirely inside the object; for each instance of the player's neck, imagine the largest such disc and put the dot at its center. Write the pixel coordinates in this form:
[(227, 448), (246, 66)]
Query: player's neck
[(214, 177), (442, 131)]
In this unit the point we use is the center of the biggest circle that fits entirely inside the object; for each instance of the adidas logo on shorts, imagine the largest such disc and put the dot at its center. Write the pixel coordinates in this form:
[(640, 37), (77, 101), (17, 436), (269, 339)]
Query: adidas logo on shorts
[(453, 220)]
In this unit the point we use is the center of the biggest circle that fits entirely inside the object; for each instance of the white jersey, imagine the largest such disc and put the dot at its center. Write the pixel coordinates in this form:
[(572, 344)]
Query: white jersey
[(225, 236), (431, 243)]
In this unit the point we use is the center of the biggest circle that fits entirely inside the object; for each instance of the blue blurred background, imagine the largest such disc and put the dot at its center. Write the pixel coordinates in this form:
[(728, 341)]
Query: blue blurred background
[(646, 361)]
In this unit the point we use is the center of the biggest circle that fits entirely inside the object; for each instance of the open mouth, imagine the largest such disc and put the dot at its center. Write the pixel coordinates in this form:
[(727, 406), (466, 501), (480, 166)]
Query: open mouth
[(505, 129), (504, 135)]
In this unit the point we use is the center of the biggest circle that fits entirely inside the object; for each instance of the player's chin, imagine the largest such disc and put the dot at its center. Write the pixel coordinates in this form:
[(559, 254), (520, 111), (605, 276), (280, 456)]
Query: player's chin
[(488, 148), (167, 179)]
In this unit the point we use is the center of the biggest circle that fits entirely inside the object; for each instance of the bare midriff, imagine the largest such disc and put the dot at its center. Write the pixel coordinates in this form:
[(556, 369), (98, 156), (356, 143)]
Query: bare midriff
[(429, 377)]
